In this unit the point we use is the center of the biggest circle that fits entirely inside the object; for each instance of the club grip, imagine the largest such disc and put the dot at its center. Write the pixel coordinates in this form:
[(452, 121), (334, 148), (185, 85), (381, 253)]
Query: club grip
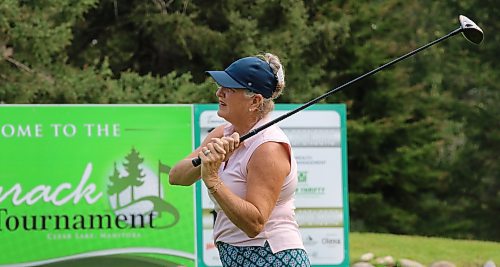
[(196, 161)]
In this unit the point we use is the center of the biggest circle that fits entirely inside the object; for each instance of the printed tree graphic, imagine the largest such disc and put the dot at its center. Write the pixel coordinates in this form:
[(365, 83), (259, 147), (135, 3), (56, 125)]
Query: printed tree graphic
[(134, 178), (135, 175), (117, 185)]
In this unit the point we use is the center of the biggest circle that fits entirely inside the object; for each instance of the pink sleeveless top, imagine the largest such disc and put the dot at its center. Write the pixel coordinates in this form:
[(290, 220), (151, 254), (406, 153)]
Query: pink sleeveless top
[(281, 230)]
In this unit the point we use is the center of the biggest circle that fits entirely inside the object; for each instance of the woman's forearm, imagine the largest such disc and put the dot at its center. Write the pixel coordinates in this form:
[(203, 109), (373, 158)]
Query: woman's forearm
[(242, 213), (183, 173)]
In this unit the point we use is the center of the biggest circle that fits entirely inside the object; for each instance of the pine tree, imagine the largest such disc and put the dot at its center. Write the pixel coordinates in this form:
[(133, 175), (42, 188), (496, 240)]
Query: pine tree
[(114, 185), (135, 175)]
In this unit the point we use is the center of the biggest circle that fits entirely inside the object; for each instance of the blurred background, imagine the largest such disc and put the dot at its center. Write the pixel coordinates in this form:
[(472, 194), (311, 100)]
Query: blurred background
[(423, 135)]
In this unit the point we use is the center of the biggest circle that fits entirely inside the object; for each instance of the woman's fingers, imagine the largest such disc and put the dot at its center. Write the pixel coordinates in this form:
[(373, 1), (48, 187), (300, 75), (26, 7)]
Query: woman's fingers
[(220, 146), (236, 137), (203, 154), (217, 153), (228, 143)]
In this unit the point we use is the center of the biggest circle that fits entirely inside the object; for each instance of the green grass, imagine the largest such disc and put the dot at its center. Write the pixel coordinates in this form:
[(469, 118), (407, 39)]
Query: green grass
[(426, 250)]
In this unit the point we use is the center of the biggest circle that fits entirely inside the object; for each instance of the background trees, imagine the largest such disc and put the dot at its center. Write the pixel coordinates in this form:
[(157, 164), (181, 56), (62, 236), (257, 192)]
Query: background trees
[(423, 135)]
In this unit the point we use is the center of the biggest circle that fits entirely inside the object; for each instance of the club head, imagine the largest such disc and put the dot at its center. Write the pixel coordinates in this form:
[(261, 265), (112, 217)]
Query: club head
[(470, 30)]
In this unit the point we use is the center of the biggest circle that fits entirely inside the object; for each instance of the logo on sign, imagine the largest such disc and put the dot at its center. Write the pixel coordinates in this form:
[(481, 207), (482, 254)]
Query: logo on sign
[(134, 190)]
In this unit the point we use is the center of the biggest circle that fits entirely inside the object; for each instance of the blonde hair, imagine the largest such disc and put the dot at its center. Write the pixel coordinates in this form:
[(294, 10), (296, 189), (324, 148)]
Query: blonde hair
[(278, 70)]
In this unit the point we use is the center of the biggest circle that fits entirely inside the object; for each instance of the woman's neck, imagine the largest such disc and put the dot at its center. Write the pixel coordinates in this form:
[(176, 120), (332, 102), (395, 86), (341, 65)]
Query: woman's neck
[(243, 127)]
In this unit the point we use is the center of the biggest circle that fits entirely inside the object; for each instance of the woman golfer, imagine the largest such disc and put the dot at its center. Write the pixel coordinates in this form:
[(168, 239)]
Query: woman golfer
[(252, 183)]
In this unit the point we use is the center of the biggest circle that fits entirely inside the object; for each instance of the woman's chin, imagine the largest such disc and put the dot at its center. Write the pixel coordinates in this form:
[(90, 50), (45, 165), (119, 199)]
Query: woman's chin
[(221, 112)]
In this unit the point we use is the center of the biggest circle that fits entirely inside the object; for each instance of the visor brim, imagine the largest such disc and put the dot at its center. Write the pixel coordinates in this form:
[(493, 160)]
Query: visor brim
[(224, 80)]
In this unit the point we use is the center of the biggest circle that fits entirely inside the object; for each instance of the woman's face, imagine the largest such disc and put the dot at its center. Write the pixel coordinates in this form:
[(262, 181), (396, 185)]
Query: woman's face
[(233, 104)]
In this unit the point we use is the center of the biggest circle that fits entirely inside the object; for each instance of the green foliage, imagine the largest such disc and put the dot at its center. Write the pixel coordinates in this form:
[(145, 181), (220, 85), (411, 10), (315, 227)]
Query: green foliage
[(423, 135)]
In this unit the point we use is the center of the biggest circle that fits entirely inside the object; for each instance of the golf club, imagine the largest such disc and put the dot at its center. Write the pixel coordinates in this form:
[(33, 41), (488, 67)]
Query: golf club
[(467, 27)]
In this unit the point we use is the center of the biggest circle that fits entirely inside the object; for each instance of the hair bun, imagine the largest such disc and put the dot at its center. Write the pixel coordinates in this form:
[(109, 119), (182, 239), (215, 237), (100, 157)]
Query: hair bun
[(278, 70)]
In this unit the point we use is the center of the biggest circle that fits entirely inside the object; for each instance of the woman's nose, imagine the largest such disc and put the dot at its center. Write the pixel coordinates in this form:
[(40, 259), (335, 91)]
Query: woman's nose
[(219, 92)]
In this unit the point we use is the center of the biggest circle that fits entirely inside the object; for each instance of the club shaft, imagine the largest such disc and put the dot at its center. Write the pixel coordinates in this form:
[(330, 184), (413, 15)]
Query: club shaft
[(197, 161)]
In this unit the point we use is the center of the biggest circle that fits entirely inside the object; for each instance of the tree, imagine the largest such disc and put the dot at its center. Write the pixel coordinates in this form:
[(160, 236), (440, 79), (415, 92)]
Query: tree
[(27, 63), (135, 175), (116, 185), (474, 170)]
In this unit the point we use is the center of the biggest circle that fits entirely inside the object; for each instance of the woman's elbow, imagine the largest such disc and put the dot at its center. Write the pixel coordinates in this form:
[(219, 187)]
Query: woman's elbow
[(254, 231), (172, 177), (178, 177)]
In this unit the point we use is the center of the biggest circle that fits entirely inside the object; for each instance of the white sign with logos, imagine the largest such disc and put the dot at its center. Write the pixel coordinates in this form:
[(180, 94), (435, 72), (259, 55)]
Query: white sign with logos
[(316, 141)]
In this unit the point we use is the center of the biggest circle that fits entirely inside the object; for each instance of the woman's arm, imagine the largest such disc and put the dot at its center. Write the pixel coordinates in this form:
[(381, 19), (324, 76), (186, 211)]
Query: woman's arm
[(267, 170), (183, 173)]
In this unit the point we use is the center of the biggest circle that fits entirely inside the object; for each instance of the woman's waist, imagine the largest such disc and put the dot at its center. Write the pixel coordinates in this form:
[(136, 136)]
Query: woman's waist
[(281, 234), (277, 224)]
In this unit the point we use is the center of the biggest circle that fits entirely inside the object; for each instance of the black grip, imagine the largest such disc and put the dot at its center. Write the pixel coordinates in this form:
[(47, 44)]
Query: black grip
[(196, 161)]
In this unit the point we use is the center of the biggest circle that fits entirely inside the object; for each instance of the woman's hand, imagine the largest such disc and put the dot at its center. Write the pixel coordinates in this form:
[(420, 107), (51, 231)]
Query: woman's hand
[(213, 154), (227, 144), (211, 159)]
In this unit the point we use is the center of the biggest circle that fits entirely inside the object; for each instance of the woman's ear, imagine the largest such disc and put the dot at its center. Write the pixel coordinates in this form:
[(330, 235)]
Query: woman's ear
[(257, 101)]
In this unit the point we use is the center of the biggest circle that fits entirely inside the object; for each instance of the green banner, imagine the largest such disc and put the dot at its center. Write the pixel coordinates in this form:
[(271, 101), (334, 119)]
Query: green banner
[(88, 186)]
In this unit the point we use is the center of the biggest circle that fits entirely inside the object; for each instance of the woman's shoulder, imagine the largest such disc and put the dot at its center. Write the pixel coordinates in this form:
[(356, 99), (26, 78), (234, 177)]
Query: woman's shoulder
[(275, 133)]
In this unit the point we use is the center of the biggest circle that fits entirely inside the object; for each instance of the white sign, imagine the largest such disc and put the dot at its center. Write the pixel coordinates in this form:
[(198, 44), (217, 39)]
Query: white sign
[(316, 141)]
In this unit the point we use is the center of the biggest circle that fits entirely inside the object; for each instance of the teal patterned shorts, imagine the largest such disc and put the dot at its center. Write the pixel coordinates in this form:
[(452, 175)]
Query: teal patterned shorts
[(233, 256)]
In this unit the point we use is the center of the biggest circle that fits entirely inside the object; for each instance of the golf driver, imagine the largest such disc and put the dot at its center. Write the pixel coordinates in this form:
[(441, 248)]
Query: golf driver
[(467, 27)]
